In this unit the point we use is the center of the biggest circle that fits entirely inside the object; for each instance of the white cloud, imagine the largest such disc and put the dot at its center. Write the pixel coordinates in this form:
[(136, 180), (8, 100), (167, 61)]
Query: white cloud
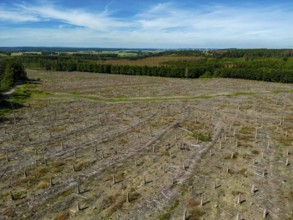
[(162, 25), (16, 16), (99, 21)]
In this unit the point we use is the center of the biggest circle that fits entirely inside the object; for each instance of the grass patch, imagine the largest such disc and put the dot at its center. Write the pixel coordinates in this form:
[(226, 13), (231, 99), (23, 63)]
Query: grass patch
[(18, 98), (200, 136), (168, 214)]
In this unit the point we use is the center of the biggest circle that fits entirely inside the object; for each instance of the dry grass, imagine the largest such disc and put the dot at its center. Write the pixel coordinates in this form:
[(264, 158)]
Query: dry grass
[(150, 61)]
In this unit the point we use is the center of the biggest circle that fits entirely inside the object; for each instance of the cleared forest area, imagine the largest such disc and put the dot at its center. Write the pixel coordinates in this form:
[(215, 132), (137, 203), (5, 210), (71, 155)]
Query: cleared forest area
[(106, 146)]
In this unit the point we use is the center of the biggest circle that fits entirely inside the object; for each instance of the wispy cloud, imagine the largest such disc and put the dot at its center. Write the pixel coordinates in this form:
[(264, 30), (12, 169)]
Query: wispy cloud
[(32, 13), (16, 16), (165, 24)]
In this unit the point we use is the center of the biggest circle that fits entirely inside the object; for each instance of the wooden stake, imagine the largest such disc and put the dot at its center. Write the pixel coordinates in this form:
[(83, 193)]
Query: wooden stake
[(239, 199), (11, 196), (253, 189), (265, 213), (201, 200), (114, 179), (232, 155), (173, 180), (73, 167), (144, 180), (183, 166), (238, 217), (264, 172), (78, 207), (127, 197), (287, 162), (165, 169), (78, 189), (51, 182), (136, 164), (184, 215)]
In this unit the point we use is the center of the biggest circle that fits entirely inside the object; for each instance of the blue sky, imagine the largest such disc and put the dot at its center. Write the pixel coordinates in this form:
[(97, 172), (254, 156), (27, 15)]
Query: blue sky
[(147, 23)]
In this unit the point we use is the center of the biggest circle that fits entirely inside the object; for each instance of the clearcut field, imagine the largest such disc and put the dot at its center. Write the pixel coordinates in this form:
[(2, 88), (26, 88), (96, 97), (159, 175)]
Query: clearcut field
[(98, 146)]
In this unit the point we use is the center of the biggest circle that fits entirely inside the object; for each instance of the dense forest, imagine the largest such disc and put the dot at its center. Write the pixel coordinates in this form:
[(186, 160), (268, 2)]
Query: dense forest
[(274, 65), (10, 73)]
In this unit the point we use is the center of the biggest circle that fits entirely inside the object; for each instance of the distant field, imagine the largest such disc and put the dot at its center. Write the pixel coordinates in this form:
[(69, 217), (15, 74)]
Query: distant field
[(119, 53), (99, 146), (25, 53), (149, 61)]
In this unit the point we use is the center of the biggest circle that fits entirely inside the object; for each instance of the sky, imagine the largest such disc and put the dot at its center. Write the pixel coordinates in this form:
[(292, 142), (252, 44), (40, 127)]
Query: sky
[(147, 23)]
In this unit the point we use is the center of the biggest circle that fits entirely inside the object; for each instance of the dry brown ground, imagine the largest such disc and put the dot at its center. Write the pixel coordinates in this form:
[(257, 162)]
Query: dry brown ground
[(94, 141), (149, 61)]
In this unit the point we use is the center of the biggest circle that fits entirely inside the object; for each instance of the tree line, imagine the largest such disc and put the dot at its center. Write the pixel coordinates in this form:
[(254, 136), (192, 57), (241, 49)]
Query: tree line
[(257, 64), (10, 73)]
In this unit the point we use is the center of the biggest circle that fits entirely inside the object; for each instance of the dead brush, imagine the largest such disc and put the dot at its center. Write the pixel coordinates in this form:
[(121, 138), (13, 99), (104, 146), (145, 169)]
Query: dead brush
[(62, 215), (193, 209), (81, 165)]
